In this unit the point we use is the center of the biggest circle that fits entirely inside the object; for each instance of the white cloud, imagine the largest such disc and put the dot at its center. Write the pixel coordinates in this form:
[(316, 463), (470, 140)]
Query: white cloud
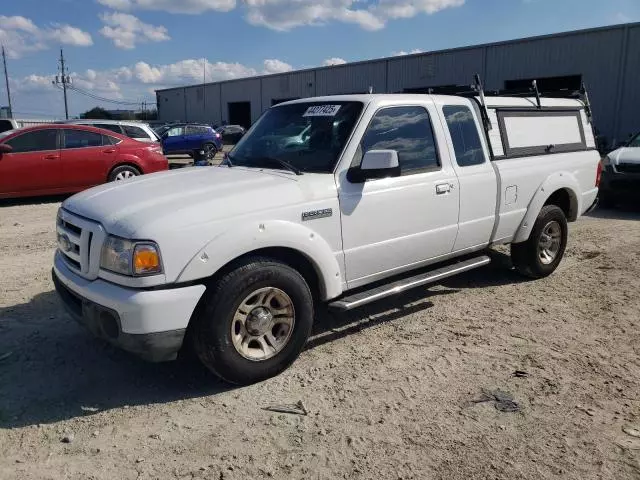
[(68, 35), (284, 15), (172, 6), (20, 36), (275, 66), (369, 15), (126, 30), (334, 61), (404, 52)]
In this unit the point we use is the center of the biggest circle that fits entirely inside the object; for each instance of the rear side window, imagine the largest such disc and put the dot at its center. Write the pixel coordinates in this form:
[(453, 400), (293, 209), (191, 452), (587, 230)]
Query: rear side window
[(540, 132), (109, 140), (175, 132), (37, 141), (635, 142), (406, 130), (134, 132), (82, 139), (109, 126), (464, 135)]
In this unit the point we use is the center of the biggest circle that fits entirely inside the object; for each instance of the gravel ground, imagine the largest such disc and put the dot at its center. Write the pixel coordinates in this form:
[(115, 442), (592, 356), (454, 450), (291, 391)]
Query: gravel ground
[(404, 389)]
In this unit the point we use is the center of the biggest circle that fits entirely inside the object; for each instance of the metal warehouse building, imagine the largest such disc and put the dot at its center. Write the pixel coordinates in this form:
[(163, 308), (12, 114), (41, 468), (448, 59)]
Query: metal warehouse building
[(606, 59)]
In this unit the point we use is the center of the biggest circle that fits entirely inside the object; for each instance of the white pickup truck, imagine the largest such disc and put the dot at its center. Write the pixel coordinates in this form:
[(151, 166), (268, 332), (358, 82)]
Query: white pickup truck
[(341, 200)]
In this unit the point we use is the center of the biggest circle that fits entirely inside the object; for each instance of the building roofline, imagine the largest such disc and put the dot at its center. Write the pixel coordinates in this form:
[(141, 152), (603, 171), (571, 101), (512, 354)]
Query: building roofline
[(621, 26)]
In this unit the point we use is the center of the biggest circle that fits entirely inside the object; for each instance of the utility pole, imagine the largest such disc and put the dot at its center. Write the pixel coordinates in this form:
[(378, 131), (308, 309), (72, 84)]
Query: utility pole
[(204, 89), (63, 79), (6, 78)]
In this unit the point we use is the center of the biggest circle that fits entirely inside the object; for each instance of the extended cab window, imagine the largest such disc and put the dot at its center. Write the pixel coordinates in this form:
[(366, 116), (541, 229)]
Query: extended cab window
[(464, 135), (406, 130), (37, 141)]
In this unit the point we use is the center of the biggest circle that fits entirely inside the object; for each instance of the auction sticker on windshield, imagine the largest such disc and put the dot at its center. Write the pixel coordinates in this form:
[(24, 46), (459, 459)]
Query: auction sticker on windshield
[(322, 111)]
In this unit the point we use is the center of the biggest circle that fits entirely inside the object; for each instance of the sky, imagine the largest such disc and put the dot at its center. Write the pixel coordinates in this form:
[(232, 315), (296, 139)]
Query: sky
[(123, 50)]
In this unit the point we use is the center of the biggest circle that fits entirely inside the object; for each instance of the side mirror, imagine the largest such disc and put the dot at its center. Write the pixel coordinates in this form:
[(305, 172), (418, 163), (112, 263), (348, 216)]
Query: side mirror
[(376, 164), (4, 148)]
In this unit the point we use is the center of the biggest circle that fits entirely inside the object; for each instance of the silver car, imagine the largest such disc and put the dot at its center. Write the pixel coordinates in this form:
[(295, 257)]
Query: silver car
[(137, 130)]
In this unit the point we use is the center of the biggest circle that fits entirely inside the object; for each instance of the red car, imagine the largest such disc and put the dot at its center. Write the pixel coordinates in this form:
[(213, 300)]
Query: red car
[(54, 159)]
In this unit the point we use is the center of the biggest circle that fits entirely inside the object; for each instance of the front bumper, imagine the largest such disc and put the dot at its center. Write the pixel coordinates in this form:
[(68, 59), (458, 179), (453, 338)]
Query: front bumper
[(148, 323), (619, 183)]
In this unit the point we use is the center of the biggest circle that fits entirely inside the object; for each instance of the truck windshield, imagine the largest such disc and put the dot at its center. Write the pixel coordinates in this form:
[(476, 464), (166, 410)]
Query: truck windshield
[(309, 136)]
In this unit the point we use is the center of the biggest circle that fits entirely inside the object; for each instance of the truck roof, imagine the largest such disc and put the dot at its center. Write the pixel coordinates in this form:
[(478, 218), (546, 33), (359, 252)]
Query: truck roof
[(491, 101)]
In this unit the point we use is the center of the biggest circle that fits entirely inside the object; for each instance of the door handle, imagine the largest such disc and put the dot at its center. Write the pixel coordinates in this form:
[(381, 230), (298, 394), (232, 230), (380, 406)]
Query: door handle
[(110, 150), (443, 188), (51, 157)]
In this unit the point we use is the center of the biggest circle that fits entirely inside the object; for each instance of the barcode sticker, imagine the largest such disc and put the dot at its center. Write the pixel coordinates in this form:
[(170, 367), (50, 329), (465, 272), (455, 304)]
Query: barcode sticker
[(322, 111)]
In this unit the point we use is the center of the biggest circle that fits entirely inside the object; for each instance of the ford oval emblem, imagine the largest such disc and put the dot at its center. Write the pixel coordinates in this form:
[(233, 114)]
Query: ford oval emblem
[(65, 243)]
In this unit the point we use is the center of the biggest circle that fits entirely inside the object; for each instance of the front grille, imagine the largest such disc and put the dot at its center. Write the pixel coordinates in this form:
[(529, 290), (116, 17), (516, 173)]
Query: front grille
[(628, 168), (78, 241)]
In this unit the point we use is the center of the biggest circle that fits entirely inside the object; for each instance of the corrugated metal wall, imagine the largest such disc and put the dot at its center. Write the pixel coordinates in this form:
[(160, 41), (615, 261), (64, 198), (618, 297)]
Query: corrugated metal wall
[(594, 55), (347, 79), (289, 86), (171, 105), (628, 118), (448, 68), (608, 60)]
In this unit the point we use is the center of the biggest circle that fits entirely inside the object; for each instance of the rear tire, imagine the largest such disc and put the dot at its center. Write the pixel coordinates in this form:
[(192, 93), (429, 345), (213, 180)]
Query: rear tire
[(123, 172), (210, 151), (541, 254), (253, 322)]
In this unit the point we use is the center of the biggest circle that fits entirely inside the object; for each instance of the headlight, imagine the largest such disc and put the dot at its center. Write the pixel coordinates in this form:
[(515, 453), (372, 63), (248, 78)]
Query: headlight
[(127, 257)]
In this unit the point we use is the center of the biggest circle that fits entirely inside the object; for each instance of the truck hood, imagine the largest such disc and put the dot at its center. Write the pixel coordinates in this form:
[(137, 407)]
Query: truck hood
[(625, 155), (147, 206)]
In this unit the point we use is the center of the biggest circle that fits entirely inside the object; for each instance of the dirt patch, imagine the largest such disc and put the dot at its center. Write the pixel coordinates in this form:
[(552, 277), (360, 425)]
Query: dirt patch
[(414, 387)]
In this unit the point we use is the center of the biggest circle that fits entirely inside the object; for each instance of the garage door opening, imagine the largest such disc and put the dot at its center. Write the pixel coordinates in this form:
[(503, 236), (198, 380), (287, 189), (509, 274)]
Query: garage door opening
[(240, 113)]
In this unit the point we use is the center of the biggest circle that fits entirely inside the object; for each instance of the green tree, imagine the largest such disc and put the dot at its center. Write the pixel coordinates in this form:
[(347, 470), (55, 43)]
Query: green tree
[(96, 113)]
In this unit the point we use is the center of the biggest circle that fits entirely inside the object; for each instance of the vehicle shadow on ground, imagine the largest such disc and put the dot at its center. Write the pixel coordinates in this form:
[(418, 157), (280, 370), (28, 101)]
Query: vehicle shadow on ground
[(12, 202), (51, 369), (622, 211)]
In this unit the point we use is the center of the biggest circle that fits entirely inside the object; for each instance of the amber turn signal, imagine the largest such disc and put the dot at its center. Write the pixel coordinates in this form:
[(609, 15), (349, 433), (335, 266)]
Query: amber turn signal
[(146, 260)]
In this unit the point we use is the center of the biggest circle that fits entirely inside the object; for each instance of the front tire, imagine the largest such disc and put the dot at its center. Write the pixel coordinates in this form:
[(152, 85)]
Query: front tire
[(123, 172), (253, 322), (541, 254)]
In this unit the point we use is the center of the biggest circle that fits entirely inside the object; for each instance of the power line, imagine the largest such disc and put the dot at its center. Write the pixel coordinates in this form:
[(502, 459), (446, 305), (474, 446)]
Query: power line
[(100, 98), (104, 99)]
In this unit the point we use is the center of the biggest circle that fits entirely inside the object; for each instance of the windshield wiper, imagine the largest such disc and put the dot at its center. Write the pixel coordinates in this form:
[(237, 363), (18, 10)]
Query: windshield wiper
[(283, 163), (228, 161)]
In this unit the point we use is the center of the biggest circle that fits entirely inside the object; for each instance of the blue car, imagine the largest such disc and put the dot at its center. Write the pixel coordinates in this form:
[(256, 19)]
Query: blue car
[(200, 141)]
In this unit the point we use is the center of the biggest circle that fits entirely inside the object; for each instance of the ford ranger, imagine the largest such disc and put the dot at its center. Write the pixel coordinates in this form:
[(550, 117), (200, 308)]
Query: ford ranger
[(381, 194)]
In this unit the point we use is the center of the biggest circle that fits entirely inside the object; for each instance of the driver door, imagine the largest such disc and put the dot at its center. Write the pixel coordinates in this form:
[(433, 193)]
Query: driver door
[(394, 224), (33, 167)]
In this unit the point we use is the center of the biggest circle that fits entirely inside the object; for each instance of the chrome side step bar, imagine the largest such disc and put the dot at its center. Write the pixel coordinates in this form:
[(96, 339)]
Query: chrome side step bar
[(362, 298)]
